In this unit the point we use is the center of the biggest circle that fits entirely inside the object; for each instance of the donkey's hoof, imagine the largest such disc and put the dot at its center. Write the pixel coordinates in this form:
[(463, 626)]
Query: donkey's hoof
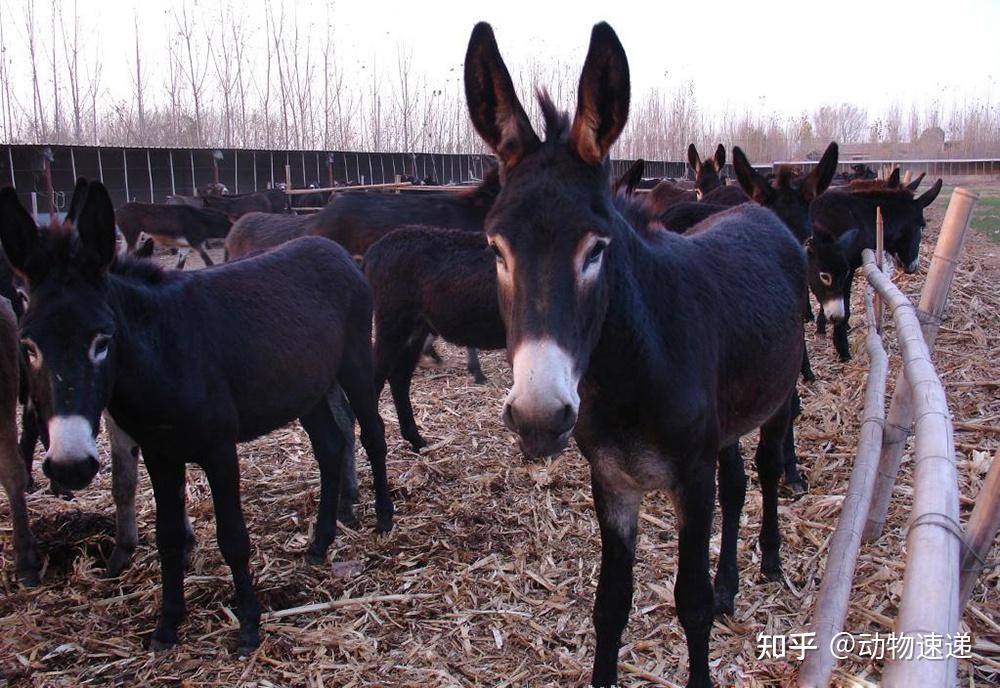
[(772, 572), (480, 379), (158, 645), (29, 578), (417, 443), (117, 563), (725, 604), (347, 517), (383, 524), (794, 489), (249, 642), (315, 558), (808, 376)]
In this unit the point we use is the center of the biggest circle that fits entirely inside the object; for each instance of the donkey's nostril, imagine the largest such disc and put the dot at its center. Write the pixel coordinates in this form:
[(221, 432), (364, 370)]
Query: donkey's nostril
[(565, 419)]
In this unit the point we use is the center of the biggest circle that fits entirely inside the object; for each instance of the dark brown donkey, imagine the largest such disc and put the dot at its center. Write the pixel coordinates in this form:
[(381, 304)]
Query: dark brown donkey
[(262, 231), (656, 353), (180, 226), (358, 220), (428, 280), (189, 364)]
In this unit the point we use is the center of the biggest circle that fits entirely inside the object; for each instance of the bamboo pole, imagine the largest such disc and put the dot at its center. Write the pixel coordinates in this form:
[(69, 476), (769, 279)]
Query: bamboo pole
[(835, 590), (933, 301), (982, 529), (930, 583), (879, 257)]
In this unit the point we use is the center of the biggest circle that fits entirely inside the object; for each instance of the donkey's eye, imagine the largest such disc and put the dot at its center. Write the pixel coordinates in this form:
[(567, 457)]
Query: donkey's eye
[(99, 348), (32, 353), (595, 253), (496, 252), (826, 278)]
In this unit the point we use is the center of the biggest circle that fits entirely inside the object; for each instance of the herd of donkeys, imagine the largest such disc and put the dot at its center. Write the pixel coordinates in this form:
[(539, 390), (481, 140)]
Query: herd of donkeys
[(655, 321)]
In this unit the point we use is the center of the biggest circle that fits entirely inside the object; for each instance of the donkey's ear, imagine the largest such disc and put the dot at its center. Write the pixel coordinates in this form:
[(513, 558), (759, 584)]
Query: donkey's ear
[(915, 184), (630, 180), (755, 186), (928, 196), (603, 97), (18, 232), (893, 181), (693, 158), (496, 112), (720, 157), (96, 227), (79, 198), (817, 181)]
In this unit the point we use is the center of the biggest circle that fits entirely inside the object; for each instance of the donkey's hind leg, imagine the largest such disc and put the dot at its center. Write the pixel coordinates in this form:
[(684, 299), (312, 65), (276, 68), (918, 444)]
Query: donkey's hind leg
[(473, 366), (770, 464), (356, 375), (732, 495), (182, 256), (328, 446), (793, 485), (348, 469), (400, 379)]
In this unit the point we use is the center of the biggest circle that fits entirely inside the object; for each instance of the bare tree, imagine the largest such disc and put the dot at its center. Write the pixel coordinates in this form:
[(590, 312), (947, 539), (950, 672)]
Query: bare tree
[(71, 55), (39, 130), (196, 67), (54, 64), (6, 104), (138, 82)]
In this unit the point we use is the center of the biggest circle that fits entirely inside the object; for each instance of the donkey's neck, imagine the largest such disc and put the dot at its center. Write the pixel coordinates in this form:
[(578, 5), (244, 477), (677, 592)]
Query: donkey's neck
[(630, 346)]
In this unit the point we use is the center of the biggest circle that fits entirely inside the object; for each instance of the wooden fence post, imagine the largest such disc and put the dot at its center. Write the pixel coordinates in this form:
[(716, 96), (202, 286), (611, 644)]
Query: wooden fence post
[(984, 523), (842, 556), (933, 301)]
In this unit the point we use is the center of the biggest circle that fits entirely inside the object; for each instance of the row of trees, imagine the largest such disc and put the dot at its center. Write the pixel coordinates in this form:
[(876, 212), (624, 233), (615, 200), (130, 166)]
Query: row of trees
[(227, 81)]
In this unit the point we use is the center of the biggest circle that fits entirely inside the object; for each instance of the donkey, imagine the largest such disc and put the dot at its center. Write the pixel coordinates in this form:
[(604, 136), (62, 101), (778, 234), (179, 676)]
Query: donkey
[(358, 220), (262, 231), (843, 225), (429, 281), (654, 352), (238, 205), (107, 332), (180, 226), (707, 172)]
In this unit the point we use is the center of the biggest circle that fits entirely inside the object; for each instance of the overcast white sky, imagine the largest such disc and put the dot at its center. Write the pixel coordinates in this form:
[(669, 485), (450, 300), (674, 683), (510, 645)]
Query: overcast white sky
[(787, 57)]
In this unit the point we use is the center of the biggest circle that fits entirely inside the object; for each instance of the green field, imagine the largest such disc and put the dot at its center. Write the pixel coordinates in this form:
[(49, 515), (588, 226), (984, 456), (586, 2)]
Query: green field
[(987, 217)]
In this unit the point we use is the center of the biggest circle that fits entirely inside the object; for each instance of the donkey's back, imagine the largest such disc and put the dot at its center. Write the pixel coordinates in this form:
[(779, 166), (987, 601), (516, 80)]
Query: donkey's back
[(745, 277)]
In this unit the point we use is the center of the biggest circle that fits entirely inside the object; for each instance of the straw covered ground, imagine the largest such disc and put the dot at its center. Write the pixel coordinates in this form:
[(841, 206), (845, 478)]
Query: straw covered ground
[(489, 576)]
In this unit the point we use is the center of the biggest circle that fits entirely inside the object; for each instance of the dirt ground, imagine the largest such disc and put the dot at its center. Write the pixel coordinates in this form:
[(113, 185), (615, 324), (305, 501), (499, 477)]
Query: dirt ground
[(489, 576)]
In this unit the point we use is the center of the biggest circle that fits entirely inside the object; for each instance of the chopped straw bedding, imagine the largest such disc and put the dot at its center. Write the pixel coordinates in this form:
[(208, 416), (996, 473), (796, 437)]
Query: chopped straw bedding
[(490, 573)]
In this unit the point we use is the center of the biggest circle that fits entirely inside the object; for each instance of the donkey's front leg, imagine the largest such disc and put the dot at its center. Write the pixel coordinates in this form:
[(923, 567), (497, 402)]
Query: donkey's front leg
[(167, 476), (695, 502), (618, 516), (124, 477), (222, 469), (14, 478)]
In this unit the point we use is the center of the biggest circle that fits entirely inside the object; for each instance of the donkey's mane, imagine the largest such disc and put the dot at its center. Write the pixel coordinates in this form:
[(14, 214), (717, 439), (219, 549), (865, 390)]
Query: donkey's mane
[(881, 192), (786, 175), (556, 120)]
